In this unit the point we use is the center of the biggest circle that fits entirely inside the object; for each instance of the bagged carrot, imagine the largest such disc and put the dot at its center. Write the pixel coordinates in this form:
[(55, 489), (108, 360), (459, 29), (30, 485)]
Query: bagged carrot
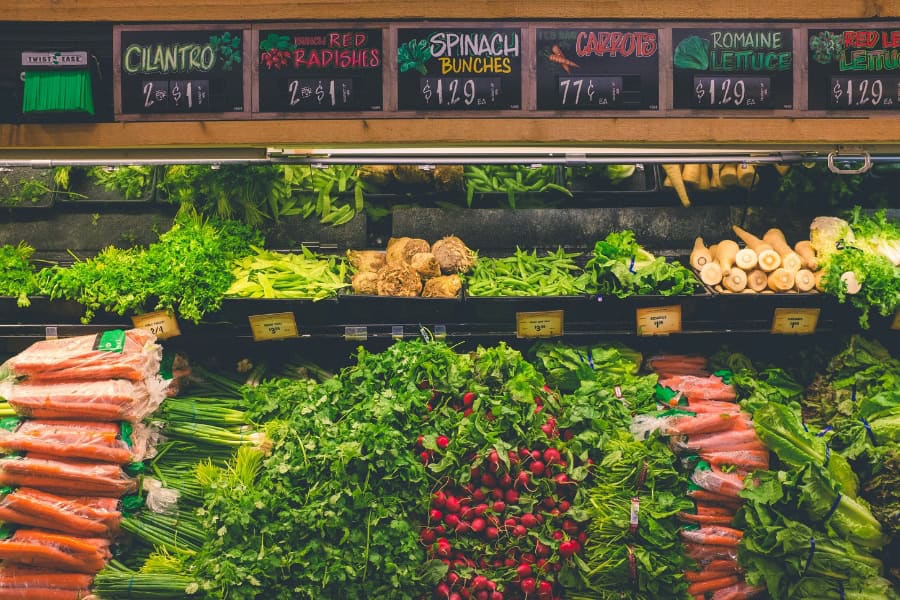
[(60, 552), (102, 400), (106, 442), (67, 477), (75, 515)]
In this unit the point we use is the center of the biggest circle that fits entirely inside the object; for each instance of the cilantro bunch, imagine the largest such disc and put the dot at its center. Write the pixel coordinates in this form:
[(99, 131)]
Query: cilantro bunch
[(16, 273)]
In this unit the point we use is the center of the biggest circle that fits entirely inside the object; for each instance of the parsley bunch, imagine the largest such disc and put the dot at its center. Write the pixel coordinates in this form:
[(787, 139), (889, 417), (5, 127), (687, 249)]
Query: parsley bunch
[(16, 273)]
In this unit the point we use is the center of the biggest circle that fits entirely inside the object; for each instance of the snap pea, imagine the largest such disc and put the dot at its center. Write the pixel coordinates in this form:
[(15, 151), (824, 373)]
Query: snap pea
[(527, 274), (266, 274), (511, 180)]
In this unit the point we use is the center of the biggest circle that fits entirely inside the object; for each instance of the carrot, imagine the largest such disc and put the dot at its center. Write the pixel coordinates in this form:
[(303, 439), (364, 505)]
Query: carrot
[(563, 61), (711, 585), (64, 523), (695, 576), (705, 519), (747, 459), (738, 591), (44, 556), (17, 576), (708, 496), (714, 535), (41, 593), (68, 543), (707, 553), (712, 510), (709, 423), (674, 173)]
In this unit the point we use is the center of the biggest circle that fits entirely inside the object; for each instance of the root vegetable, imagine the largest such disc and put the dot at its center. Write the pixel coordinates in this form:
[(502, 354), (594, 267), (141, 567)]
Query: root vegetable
[(426, 264), (413, 175), (365, 261), (735, 281), (728, 175), (852, 283), (726, 252), (807, 254), (398, 279), (453, 255), (820, 284), (790, 260), (757, 280), (674, 174), (746, 175), (691, 175), (446, 286), (704, 178), (804, 280), (377, 175), (449, 178), (401, 250), (711, 273), (782, 169), (700, 254), (781, 280), (769, 260), (746, 259), (365, 283), (715, 183)]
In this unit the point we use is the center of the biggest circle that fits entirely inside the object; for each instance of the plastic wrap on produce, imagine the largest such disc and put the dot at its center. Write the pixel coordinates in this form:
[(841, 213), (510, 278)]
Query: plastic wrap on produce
[(58, 551), (132, 354), (103, 400), (84, 515), (27, 583), (106, 442), (66, 477)]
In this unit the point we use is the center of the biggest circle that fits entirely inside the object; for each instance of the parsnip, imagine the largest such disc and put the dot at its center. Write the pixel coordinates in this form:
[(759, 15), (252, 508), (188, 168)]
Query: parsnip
[(807, 254), (733, 278), (757, 280), (781, 280), (746, 259), (711, 273), (728, 175), (715, 183), (736, 280), (820, 283), (704, 178), (691, 175), (769, 260), (674, 174), (700, 254), (746, 175), (790, 260), (804, 280), (782, 169)]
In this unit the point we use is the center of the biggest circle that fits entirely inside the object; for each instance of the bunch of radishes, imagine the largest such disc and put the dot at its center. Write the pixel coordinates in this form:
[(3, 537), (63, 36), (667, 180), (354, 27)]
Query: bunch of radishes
[(506, 533)]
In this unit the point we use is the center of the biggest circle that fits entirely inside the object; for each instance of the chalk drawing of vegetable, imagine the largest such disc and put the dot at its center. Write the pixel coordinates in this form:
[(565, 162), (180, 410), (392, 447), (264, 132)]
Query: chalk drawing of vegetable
[(228, 47), (557, 56), (826, 47), (413, 55), (692, 53)]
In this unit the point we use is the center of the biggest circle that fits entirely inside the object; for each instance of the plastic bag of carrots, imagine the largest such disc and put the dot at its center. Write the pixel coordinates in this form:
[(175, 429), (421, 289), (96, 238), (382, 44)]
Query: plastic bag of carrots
[(30, 583), (117, 354), (119, 443), (68, 514), (58, 551), (66, 477), (102, 400)]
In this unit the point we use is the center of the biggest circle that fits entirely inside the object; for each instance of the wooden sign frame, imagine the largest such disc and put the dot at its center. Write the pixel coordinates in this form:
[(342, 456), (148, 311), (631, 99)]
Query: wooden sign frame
[(249, 84)]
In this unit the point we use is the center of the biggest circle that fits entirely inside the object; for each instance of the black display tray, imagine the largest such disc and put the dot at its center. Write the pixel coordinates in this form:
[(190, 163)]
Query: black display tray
[(363, 309), (236, 310), (645, 180), (82, 189)]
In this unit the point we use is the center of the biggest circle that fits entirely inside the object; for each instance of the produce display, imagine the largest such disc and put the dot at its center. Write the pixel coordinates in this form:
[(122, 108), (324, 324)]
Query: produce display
[(710, 177), (511, 180), (528, 274), (621, 267), (17, 273), (412, 267), (265, 274)]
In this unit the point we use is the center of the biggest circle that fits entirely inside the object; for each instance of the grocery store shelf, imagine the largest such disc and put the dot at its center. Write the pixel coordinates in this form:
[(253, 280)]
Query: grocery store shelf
[(233, 10)]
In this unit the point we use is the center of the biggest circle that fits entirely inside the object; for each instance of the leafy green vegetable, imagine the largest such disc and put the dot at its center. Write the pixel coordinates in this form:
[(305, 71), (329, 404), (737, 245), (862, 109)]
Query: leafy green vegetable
[(692, 53), (17, 273), (566, 367), (413, 55), (621, 267), (758, 389), (266, 274), (131, 182)]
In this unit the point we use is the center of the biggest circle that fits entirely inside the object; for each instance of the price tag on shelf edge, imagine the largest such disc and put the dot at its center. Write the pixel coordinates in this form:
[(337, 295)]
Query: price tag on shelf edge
[(658, 320), (161, 323), (895, 324), (539, 324), (274, 326), (795, 321)]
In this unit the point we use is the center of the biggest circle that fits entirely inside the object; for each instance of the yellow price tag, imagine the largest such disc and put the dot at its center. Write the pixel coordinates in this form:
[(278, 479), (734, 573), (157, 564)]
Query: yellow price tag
[(160, 323), (275, 326), (658, 320), (896, 323), (539, 324), (795, 321)]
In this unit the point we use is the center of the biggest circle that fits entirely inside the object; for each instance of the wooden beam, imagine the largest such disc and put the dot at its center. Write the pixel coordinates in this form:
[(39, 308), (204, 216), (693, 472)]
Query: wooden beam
[(127, 11), (697, 132)]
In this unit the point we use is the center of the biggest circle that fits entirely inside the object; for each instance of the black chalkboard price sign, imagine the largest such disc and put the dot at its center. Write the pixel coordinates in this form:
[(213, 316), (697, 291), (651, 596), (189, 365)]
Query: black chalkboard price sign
[(182, 71), (459, 69), (733, 69), (320, 70), (597, 69), (856, 69)]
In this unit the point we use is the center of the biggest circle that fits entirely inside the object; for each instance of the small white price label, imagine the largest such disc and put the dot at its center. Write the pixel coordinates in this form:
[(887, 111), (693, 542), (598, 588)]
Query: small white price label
[(795, 321), (160, 323), (543, 324), (275, 326), (896, 322), (658, 320)]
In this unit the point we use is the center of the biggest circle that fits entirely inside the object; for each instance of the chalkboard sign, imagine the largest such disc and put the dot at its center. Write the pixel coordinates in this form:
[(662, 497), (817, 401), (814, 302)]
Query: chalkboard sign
[(593, 69), (459, 69), (182, 71), (320, 70), (737, 69), (856, 69)]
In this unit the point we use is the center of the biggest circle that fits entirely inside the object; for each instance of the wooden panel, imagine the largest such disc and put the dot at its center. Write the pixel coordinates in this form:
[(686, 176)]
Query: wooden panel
[(124, 11), (807, 133)]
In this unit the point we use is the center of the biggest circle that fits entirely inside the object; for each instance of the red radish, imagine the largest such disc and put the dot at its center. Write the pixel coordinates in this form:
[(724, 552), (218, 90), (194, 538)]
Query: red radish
[(420, 440), (528, 558), (495, 595), (452, 578), (545, 590), (519, 531), (548, 429), (540, 518), (442, 441), (427, 535), (499, 506), (479, 582), (536, 454), (549, 502), (423, 385), (493, 467), (435, 515), (497, 494), (582, 537), (467, 412), (527, 585), (465, 593), (538, 408), (488, 480), (564, 505), (451, 520), (536, 467), (541, 564), (452, 504), (491, 585), (512, 496), (481, 509), (524, 452), (551, 455), (510, 522), (542, 550), (438, 499), (513, 457), (567, 435), (468, 398), (491, 533), (494, 456), (509, 562), (455, 596), (442, 591), (483, 595), (478, 495), (469, 488), (568, 548), (424, 456), (440, 529), (562, 479), (506, 481), (463, 527), (558, 535), (570, 527), (523, 570), (523, 478), (547, 389), (528, 520), (478, 525), (466, 512)]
